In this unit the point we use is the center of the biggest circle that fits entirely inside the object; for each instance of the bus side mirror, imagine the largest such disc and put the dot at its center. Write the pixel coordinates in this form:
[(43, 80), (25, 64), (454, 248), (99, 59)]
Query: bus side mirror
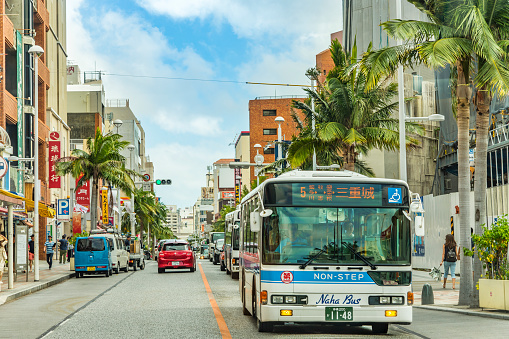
[(419, 225), (255, 220)]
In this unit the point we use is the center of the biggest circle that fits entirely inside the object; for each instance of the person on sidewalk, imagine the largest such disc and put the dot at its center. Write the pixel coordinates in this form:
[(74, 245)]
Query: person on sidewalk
[(49, 249), (31, 253), (70, 249), (63, 244), (3, 256), (450, 254)]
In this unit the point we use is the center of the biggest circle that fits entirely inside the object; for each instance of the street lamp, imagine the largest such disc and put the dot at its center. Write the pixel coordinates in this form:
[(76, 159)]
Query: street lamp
[(259, 161), (402, 145), (279, 120), (131, 148), (36, 52), (117, 123)]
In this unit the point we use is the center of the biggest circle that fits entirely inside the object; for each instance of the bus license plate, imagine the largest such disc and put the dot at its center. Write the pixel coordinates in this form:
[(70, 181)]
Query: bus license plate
[(175, 263), (91, 268), (338, 313)]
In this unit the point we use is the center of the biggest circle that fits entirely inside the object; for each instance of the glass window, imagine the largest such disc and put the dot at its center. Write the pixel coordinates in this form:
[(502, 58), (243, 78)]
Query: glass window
[(269, 131), (235, 238), (294, 234), (268, 150), (269, 112), (90, 244), (176, 247)]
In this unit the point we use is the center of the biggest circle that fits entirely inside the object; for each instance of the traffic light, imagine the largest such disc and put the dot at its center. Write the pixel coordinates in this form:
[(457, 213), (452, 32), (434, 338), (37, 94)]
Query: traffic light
[(163, 182)]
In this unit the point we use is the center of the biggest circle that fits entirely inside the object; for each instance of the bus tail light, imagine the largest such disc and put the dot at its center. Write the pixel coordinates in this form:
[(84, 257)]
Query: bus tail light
[(410, 298), (263, 297)]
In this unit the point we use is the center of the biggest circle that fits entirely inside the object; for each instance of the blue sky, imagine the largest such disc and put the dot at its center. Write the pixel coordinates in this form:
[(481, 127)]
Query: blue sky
[(189, 124)]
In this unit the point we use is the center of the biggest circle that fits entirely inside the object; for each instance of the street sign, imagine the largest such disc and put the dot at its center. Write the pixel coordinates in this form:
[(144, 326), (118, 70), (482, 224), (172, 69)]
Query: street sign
[(4, 167), (146, 187), (146, 177), (63, 210), (258, 159)]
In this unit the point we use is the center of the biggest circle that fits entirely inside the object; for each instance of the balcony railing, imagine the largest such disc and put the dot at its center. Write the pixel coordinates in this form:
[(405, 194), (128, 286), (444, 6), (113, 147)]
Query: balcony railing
[(498, 135)]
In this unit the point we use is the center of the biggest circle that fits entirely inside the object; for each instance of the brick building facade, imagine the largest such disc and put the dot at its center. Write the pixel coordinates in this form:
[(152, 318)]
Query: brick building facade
[(263, 127)]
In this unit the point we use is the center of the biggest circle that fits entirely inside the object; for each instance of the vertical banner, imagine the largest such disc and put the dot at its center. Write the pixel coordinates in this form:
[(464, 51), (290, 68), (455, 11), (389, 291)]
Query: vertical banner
[(238, 177), (54, 154), (76, 223), (83, 193), (19, 76), (104, 204)]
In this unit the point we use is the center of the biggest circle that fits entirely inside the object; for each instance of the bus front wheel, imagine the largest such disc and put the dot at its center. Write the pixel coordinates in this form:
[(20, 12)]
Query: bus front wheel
[(380, 328)]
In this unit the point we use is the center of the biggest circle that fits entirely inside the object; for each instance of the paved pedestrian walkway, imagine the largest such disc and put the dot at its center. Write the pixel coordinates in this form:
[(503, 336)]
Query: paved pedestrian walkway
[(447, 299), (47, 278)]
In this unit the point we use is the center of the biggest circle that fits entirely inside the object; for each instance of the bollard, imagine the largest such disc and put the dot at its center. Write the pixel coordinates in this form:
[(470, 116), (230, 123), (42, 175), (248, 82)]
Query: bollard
[(427, 295)]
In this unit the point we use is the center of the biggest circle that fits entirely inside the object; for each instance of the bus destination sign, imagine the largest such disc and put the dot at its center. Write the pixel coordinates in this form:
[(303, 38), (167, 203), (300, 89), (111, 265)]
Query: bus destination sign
[(336, 194)]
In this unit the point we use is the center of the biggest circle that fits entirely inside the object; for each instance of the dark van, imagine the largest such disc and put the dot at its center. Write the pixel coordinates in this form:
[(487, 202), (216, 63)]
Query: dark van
[(92, 256)]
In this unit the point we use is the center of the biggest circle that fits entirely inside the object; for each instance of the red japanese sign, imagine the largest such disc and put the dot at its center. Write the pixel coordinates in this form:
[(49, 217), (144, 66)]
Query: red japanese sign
[(83, 193), (54, 154)]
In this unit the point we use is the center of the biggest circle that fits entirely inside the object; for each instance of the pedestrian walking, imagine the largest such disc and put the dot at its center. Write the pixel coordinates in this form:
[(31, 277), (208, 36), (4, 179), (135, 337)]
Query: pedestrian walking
[(63, 244), (3, 256), (69, 249), (49, 249), (31, 253), (450, 254)]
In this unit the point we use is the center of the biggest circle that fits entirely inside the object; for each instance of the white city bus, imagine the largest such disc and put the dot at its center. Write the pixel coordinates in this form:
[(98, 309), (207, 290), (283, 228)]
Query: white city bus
[(231, 235), (327, 247)]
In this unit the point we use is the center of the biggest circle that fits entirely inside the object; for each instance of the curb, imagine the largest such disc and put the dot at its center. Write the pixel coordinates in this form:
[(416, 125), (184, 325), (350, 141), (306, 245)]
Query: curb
[(465, 312), (35, 288)]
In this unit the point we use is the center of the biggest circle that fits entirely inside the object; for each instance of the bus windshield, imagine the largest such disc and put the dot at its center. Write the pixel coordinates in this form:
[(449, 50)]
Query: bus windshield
[(235, 236), (292, 235), (217, 236)]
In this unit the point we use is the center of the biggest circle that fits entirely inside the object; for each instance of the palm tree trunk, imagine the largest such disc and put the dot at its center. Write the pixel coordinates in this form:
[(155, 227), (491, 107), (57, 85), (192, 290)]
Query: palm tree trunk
[(93, 205), (463, 94), (482, 102), (350, 159)]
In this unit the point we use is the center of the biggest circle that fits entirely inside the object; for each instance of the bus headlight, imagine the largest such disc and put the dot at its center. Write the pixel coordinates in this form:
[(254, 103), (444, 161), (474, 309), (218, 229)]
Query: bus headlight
[(277, 299), (397, 300), (290, 299), (385, 300)]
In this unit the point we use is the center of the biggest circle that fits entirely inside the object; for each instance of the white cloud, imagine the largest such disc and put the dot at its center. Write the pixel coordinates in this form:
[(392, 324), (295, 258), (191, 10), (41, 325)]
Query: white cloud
[(254, 18)]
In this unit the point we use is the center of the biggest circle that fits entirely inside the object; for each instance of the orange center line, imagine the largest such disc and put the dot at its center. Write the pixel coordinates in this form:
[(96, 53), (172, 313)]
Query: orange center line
[(223, 328)]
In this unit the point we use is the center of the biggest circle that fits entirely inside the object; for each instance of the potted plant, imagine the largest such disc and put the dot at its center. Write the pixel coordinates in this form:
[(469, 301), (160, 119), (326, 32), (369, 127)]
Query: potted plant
[(491, 248)]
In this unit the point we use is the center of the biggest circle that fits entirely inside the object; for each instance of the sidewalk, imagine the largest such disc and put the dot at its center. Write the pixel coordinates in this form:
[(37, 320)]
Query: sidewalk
[(447, 299), (47, 278)]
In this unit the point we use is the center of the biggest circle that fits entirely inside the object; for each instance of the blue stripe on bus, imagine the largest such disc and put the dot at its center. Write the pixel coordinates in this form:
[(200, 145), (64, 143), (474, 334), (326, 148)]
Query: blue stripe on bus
[(318, 277)]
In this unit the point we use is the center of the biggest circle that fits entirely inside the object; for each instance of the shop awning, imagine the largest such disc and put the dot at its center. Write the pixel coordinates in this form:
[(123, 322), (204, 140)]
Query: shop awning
[(44, 211)]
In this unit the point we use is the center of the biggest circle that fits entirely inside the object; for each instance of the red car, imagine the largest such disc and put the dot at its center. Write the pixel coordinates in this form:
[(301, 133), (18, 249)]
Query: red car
[(176, 254)]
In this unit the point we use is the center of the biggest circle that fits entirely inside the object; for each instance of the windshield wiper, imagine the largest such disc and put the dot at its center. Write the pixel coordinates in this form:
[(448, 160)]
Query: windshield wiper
[(303, 266), (359, 256)]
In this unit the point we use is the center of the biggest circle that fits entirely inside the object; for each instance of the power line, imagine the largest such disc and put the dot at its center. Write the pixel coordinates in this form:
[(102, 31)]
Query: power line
[(202, 80)]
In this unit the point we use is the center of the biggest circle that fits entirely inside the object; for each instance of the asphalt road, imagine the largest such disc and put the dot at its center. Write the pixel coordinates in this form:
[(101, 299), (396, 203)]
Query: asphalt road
[(176, 305)]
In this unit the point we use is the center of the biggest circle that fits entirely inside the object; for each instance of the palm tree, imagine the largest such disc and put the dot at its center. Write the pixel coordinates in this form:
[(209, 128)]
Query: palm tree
[(101, 161), (470, 37), (350, 118)]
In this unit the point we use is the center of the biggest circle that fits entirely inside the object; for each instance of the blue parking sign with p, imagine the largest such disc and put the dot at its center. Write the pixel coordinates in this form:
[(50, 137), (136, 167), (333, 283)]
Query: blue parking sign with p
[(63, 209)]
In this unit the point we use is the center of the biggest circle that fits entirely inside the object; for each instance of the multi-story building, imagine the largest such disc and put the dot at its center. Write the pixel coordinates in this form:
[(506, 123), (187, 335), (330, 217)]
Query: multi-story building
[(186, 226), (362, 21), (24, 24), (242, 154), (263, 128), (173, 218), (224, 185)]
